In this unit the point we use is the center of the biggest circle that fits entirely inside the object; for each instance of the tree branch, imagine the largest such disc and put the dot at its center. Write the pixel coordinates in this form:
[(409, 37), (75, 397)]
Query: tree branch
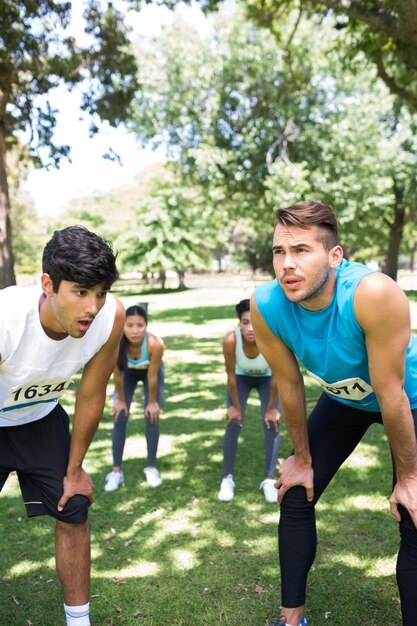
[(379, 17), (407, 20), (401, 92), (398, 22)]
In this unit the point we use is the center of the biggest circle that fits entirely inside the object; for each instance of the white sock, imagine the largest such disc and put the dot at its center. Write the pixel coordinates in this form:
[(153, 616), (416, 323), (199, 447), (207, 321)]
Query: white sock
[(77, 615)]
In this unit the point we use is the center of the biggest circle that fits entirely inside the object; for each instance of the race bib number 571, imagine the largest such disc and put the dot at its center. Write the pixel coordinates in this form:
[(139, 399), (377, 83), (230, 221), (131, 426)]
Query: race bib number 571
[(26, 395), (348, 389)]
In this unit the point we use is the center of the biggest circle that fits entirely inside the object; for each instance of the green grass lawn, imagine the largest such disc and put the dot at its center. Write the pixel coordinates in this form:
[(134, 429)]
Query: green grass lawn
[(177, 556)]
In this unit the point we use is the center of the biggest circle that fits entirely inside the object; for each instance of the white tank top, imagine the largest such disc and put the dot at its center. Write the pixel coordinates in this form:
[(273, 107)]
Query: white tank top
[(246, 366), (35, 370)]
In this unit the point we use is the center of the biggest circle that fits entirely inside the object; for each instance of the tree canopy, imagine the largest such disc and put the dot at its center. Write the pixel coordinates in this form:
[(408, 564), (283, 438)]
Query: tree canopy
[(37, 56), (385, 31), (265, 126), (250, 118)]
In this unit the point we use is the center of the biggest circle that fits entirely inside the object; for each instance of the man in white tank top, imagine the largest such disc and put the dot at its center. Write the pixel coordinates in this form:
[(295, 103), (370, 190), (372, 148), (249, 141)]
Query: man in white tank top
[(47, 335)]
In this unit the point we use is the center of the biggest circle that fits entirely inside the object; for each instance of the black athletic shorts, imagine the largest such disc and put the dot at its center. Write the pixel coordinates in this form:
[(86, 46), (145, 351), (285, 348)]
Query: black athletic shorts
[(38, 453)]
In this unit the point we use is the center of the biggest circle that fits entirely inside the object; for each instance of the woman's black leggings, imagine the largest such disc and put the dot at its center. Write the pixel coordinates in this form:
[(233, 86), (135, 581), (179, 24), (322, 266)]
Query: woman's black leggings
[(131, 377), (245, 384), (334, 431)]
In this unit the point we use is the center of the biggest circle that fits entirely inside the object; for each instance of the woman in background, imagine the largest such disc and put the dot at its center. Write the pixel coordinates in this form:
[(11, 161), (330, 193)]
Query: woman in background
[(140, 359), (247, 369)]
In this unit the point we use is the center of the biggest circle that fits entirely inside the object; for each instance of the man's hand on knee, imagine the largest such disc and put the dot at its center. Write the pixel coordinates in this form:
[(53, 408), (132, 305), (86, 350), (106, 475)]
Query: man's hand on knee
[(76, 482)]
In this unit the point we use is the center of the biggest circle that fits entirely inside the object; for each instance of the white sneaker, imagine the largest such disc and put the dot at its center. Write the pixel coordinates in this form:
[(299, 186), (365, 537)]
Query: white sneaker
[(270, 493), (153, 477), (227, 489), (114, 480)]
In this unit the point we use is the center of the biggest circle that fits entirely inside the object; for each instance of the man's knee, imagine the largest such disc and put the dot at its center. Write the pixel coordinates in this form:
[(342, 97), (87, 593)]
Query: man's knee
[(69, 529), (295, 505), (75, 511), (408, 532)]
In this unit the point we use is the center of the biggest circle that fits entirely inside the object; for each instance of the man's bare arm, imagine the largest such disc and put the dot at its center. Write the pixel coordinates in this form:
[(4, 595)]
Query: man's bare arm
[(383, 313), (285, 369), (89, 406)]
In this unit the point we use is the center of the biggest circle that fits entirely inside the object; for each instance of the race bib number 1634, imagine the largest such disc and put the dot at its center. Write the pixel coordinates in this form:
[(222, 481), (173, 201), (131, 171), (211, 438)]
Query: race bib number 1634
[(35, 393)]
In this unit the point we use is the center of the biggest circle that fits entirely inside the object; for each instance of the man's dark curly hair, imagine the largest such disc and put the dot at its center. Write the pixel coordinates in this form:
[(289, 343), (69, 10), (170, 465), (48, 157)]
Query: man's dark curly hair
[(80, 256)]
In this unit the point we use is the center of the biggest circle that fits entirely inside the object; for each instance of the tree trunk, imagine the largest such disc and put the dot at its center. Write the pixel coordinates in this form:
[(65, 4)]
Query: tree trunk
[(7, 275), (220, 265), (162, 278), (181, 274), (413, 257), (396, 228)]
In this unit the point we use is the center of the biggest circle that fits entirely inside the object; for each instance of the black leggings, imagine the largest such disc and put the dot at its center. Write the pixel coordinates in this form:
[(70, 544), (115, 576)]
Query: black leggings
[(131, 377), (334, 431), (245, 384)]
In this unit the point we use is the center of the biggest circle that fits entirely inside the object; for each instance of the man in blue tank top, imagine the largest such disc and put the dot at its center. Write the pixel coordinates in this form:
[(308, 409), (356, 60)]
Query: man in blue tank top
[(350, 327)]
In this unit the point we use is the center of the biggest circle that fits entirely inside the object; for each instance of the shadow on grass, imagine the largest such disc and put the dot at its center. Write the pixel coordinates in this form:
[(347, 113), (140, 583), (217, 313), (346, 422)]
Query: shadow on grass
[(175, 555)]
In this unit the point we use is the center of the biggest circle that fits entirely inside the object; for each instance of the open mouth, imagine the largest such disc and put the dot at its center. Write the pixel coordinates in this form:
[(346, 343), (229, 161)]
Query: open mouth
[(84, 324), (291, 282)]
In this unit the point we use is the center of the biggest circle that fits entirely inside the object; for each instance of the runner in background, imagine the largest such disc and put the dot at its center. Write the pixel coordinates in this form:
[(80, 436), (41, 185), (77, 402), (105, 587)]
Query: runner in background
[(246, 370), (139, 360)]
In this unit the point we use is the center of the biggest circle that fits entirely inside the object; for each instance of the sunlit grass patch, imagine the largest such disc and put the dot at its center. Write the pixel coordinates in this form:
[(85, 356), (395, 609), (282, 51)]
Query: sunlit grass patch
[(363, 456), (140, 569), (372, 567), (182, 559)]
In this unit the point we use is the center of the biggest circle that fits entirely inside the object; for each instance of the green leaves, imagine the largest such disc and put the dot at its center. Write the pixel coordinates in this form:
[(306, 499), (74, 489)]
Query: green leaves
[(38, 55), (170, 228), (262, 121)]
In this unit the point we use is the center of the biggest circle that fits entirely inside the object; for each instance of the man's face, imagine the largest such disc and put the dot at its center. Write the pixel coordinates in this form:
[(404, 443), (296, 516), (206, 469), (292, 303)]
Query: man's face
[(303, 266), (74, 307)]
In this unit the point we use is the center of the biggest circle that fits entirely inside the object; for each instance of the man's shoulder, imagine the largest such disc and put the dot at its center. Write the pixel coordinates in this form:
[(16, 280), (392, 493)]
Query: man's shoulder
[(17, 300), (349, 270), (106, 328), (18, 291), (265, 291)]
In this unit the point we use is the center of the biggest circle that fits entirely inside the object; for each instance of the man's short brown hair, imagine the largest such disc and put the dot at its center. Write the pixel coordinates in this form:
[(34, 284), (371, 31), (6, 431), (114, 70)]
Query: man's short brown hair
[(307, 214)]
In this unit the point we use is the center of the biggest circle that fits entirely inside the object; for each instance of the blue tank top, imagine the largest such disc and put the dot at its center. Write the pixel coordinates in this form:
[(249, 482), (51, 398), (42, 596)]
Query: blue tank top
[(330, 343), (143, 362)]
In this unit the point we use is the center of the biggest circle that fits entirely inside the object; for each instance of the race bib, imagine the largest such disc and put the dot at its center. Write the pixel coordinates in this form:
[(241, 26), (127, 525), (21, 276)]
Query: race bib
[(26, 395), (348, 389)]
